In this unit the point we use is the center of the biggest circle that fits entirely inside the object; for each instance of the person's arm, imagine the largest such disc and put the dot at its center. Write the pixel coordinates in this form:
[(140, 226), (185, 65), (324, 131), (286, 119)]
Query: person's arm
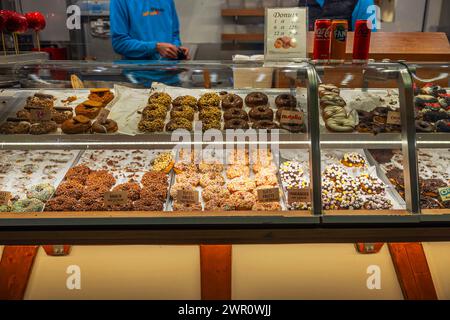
[(122, 42), (360, 12), (176, 26)]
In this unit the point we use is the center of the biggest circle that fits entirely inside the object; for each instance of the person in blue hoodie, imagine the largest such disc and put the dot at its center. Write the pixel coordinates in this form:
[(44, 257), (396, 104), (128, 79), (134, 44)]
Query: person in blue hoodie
[(147, 30), (350, 10)]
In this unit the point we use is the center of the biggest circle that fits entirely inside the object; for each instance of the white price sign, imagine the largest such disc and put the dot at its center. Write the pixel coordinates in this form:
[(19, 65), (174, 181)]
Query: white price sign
[(286, 33)]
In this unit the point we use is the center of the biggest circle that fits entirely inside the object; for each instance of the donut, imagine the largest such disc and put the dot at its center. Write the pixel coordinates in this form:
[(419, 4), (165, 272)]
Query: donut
[(235, 114), (208, 100), (435, 116), (185, 112), (60, 116), (232, 101), (286, 101), (132, 188), (154, 111), (261, 113), (156, 125), (210, 113), (353, 160), (15, 127), (61, 203), (294, 128), (43, 127), (423, 126), (443, 125), (41, 100), (160, 98), (211, 178), (235, 124), (331, 100), (109, 126), (27, 205), (79, 124), (256, 99), (264, 124), (333, 111), (89, 109), (102, 95), (211, 124), (179, 123), (42, 191), (185, 101), (363, 128), (340, 124), (422, 99)]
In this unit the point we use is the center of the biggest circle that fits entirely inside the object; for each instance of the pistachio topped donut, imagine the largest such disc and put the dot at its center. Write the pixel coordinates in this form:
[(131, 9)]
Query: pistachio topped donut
[(230, 101), (256, 99), (261, 113), (185, 101), (160, 98), (154, 111), (185, 112), (286, 101), (209, 100)]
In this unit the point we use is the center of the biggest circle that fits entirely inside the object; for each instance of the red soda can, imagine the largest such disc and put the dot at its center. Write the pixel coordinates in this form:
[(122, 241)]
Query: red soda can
[(322, 32), (361, 42), (339, 29)]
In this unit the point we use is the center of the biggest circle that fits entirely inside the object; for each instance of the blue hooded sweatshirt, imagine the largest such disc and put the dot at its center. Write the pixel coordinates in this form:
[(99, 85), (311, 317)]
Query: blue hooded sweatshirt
[(137, 26)]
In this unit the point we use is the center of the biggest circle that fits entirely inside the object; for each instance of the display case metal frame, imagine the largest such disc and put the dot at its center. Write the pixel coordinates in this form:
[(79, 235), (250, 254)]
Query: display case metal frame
[(243, 227)]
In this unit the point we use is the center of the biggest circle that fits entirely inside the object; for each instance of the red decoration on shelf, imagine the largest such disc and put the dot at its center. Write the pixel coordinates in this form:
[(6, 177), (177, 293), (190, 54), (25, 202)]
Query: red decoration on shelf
[(36, 21)]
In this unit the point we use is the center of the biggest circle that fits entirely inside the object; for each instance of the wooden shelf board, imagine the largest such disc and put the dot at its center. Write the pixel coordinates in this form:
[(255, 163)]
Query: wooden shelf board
[(243, 12)]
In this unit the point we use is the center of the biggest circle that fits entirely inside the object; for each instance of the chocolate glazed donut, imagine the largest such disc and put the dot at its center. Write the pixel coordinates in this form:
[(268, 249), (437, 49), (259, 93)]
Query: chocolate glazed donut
[(256, 99), (286, 101), (236, 124), (230, 101), (265, 124), (235, 114), (261, 113), (423, 126)]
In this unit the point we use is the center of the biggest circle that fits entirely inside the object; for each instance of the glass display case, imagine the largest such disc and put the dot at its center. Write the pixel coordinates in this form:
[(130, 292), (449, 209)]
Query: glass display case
[(221, 151)]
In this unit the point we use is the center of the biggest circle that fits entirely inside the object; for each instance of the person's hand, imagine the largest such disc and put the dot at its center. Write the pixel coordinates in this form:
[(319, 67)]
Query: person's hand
[(167, 50), (186, 52)]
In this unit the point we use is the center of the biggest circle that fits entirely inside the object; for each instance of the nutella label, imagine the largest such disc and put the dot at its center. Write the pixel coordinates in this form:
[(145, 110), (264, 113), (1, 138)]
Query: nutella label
[(39, 115), (116, 198), (444, 193), (5, 196), (393, 117), (269, 195), (103, 116), (299, 195), (292, 118), (188, 197)]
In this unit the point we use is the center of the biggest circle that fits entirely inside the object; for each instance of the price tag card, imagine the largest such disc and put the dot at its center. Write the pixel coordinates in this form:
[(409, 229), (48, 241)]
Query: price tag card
[(269, 195), (299, 195), (41, 114), (188, 197), (445, 194), (292, 117), (286, 33), (103, 116), (116, 198), (5, 196), (393, 117)]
